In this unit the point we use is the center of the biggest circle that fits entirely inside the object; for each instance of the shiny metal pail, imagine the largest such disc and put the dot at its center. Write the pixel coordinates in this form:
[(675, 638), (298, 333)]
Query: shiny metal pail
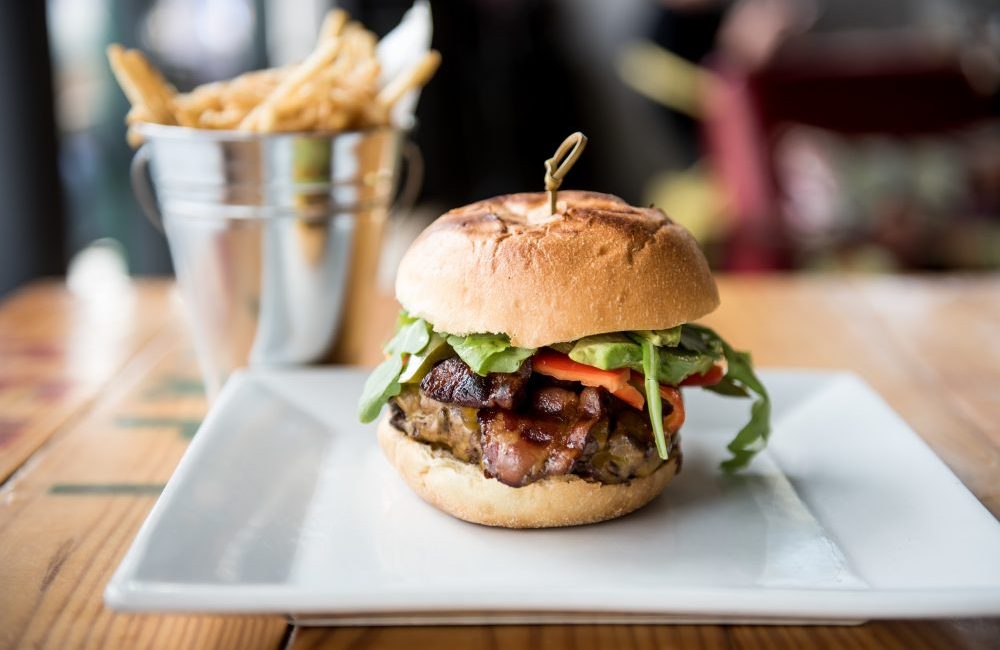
[(270, 235)]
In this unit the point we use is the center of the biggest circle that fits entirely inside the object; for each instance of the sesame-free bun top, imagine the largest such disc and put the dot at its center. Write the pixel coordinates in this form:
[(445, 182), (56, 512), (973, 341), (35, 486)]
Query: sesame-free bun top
[(506, 266)]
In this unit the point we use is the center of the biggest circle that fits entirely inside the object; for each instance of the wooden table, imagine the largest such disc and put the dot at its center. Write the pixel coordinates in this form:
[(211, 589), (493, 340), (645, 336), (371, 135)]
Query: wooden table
[(99, 396)]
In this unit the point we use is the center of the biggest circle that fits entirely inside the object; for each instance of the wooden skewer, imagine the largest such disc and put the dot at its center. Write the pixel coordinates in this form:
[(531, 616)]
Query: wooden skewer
[(568, 152)]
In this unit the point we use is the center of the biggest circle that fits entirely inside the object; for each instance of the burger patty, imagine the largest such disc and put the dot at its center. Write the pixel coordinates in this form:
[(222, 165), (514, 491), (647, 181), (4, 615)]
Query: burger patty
[(522, 427), (453, 382)]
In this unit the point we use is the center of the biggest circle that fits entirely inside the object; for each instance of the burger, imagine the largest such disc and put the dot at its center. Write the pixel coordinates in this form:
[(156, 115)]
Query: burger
[(535, 378)]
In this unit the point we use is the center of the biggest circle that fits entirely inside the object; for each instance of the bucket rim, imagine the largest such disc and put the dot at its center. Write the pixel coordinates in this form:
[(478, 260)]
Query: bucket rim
[(155, 131)]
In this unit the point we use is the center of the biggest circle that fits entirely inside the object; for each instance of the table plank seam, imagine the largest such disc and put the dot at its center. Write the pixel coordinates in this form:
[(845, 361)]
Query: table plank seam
[(87, 407)]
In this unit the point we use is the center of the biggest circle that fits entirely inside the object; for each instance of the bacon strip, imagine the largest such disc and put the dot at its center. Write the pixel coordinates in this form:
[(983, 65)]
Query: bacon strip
[(528, 426)]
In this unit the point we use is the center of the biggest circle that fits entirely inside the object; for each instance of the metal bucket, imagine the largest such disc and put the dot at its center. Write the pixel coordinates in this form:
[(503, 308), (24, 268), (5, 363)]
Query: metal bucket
[(269, 234)]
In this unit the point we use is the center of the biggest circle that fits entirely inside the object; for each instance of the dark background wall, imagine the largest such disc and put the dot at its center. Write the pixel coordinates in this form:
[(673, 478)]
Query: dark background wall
[(31, 218)]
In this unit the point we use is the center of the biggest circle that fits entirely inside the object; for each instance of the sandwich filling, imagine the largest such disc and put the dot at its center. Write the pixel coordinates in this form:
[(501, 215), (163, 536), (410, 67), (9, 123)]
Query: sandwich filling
[(525, 426), (606, 408)]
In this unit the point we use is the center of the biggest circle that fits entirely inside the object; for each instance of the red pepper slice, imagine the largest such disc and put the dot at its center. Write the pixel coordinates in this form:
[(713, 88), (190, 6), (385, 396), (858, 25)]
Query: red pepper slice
[(710, 378), (560, 366)]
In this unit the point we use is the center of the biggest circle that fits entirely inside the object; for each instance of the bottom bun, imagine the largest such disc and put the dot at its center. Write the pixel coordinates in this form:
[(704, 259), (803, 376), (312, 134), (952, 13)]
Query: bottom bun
[(461, 490)]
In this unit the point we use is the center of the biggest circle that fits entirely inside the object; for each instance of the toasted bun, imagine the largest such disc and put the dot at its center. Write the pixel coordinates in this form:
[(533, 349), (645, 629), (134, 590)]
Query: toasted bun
[(461, 490), (505, 266)]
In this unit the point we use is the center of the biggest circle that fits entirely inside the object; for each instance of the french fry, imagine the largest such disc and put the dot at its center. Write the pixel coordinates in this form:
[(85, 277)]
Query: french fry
[(335, 87), (227, 118), (152, 80), (304, 120), (262, 117), (374, 114), (415, 77), (142, 84), (333, 23), (138, 114), (133, 137)]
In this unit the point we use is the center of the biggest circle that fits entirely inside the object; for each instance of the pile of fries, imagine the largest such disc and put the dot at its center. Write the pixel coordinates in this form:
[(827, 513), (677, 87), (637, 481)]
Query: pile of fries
[(335, 88)]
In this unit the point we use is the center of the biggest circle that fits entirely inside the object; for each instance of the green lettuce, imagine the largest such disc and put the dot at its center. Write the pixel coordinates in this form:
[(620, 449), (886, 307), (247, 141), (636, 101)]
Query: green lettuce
[(670, 356), (486, 353), (676, 354), (420, 364), (691, 356), (675, 367), (382, 384), (675, 361), (740, 381), (411, 338)]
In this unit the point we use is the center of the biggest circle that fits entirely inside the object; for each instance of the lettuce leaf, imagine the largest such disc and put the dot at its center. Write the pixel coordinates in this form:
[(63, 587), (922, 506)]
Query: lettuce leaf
[(675, 354), (411, 338), (382, 384), (677, 364), (693, 353), (740, 381), (418, 365), (486, 353), (415, 347), (695, 350), (510, 360)]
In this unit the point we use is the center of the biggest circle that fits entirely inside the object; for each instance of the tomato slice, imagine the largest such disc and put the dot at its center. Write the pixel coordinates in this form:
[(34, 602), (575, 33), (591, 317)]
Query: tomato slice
[(675, 420), (710, 378), (631, 396), (560, 366), (625, 384), (671, 395)]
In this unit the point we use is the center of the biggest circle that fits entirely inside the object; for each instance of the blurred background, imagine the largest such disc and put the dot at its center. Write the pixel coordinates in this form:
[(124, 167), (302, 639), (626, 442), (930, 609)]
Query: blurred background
[(838, 135)]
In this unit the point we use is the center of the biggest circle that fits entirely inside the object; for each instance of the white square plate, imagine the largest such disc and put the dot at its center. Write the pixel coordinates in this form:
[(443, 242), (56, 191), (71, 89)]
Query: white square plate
[(284, 504)]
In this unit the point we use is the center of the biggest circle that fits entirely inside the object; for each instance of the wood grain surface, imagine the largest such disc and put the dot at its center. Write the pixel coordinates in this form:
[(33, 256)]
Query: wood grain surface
[(99, 396)]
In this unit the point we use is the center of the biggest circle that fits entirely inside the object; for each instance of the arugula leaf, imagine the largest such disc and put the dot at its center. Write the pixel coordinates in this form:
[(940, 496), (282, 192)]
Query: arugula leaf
[(677, 364), (624, 350), (676, 361), (740, 380), (728, 388), (653, 403), (382, 384), (486, 353), (700, 339), (693, 352), (663, 356)]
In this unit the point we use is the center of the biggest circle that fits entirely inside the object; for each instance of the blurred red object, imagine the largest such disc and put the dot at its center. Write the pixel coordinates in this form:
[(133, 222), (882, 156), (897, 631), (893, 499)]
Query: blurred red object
[(901, 84)]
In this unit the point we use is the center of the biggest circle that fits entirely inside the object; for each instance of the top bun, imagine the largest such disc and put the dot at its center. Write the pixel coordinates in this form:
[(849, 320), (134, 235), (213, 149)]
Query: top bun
[(506, 266)]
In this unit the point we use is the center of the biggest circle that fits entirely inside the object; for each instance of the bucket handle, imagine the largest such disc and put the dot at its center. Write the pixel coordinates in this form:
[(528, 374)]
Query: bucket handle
[(143, 189), (406, 198)]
